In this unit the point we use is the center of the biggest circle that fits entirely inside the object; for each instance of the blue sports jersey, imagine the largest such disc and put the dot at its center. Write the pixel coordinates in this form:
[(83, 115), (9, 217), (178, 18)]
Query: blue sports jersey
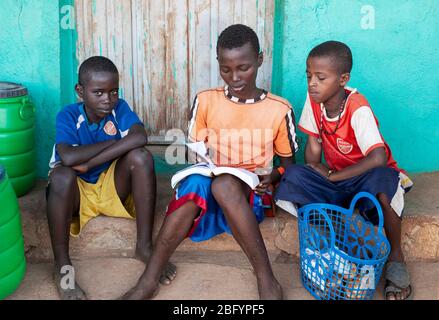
[(72, 127)]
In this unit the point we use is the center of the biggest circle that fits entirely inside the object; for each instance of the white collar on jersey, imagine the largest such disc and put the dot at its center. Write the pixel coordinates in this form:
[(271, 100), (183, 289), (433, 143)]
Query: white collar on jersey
[(352, 91), (240, 100)]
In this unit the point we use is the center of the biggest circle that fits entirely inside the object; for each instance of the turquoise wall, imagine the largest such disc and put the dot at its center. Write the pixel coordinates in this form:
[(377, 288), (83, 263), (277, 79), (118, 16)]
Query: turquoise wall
[(68, 60), (30, 54), (396, 65), (38, 53)]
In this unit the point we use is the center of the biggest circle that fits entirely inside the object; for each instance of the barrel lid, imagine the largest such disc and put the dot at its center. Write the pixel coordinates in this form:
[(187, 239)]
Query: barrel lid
[(2, 173), (11, 90)]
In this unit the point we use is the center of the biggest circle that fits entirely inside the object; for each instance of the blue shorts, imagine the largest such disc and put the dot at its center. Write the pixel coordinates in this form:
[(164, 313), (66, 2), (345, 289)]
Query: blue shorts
[(303, 185), (211, 221)]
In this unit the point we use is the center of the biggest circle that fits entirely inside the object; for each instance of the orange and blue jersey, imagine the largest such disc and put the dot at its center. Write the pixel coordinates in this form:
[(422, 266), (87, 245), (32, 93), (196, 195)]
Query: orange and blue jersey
[(243, 133)]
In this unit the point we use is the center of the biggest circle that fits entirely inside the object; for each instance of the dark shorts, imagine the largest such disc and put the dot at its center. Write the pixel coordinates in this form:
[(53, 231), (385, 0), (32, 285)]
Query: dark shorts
[(302, 185)]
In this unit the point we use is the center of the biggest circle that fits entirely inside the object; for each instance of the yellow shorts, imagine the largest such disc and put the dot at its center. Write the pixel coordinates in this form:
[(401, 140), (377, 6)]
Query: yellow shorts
[(100, 198)]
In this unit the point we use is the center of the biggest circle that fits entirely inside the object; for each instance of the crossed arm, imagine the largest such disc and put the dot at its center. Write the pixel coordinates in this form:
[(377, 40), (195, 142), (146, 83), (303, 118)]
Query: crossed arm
[(313, 155), (85, 157)]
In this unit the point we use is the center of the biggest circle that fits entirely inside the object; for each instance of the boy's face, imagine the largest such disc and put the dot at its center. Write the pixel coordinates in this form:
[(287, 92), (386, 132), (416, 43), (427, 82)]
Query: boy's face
[(100, 94), (239, 68), (324, 80)]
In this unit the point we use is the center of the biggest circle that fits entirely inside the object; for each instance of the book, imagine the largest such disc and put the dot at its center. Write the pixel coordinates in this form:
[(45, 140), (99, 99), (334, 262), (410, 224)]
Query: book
[(209, 169)]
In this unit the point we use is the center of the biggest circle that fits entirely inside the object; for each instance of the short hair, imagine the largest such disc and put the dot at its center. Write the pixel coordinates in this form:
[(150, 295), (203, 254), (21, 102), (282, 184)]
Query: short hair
[(237, 35), (95, 64), (335, 49)]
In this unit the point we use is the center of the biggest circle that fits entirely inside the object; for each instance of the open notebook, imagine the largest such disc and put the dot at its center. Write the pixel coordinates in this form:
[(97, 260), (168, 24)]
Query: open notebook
[(209, 169)]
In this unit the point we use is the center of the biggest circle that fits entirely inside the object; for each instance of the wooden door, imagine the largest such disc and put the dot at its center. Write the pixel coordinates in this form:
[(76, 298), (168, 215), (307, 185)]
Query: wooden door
[(166, 50)]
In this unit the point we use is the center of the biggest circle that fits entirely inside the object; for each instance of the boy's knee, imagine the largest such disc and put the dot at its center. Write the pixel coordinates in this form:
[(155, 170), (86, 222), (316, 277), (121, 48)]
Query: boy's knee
[(141, 157), (62, 179), (226, 187), (382, 174)]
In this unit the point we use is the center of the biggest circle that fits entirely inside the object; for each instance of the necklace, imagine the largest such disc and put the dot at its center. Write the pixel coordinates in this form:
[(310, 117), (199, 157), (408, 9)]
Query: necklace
[(322, 130)]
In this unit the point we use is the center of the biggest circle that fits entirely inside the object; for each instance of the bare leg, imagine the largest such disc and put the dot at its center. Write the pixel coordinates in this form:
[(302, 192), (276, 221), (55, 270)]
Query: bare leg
[(62, 203), (392, 225), (173, 231), (135, 174), (232, 196)]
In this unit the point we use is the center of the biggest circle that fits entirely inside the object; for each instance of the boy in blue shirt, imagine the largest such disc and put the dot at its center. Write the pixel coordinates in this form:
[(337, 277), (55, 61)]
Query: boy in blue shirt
[(99, 166)]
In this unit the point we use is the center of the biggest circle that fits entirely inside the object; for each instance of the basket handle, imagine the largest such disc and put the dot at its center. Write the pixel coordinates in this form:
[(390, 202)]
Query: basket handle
[(328, 221), (363, 194)]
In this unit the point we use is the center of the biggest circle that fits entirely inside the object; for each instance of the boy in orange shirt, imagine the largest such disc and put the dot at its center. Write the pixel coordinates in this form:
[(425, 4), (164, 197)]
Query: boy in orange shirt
[(204, 207)]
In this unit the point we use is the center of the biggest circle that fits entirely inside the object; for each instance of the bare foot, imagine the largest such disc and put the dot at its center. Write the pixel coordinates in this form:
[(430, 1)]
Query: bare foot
[(270, 290), (65, 290), (168, 274), (141, 292)]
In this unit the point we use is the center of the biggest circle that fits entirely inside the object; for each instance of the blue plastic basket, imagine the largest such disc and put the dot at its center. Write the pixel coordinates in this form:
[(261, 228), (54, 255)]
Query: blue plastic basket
[(341, 254)]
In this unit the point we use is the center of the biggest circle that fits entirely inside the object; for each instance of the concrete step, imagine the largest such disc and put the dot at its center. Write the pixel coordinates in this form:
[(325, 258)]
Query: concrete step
[(109, 278), (112, 237)]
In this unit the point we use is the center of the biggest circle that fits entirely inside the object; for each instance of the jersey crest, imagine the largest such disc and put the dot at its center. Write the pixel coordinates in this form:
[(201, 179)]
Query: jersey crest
[(110, 128), (344, 146)]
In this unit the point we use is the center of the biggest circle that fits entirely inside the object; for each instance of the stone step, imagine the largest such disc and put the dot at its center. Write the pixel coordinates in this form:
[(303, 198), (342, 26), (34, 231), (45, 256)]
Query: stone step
[(114, 237), (111, 237), (109, 278)]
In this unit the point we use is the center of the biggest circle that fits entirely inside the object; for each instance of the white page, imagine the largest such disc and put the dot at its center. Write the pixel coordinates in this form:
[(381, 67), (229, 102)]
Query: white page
[(200, 149)]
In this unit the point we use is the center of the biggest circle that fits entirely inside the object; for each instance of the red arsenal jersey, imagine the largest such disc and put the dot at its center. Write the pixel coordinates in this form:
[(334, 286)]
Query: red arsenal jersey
[(357, 133)]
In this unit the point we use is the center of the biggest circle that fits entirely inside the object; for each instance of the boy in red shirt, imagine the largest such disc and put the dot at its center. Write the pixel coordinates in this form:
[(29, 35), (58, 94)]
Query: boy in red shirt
[(340, 123)]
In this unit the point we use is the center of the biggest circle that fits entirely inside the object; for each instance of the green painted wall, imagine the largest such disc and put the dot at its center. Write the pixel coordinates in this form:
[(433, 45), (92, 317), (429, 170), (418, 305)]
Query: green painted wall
[(29, 54), (37, 52), (396, 65)]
